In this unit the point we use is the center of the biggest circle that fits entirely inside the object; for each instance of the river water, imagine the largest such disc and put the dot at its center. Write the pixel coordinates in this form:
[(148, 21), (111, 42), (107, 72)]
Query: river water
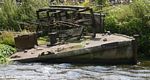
[(65, 71)]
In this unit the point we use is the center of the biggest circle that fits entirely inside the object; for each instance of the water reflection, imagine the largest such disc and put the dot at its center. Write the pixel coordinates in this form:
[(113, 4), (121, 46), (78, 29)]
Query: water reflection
[(39, 71)]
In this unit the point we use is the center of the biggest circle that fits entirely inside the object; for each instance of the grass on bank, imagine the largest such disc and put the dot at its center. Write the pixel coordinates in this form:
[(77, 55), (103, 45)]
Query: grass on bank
[(43, 40), (7, 38)]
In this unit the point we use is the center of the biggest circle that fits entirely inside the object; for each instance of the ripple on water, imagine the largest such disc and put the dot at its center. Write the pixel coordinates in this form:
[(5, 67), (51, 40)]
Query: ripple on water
[(38, 71), (63, 66)]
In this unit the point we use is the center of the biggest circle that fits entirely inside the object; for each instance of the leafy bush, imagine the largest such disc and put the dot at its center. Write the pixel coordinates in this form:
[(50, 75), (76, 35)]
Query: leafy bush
[(103, 2), (5, 52), (140, 8), (131, 19)]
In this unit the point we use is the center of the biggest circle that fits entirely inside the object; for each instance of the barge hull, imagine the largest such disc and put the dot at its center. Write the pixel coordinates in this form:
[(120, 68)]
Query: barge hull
[(123, 52)]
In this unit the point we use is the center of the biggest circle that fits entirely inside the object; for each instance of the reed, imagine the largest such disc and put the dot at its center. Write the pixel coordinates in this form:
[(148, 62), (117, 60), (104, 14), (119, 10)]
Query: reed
[(11, 13)]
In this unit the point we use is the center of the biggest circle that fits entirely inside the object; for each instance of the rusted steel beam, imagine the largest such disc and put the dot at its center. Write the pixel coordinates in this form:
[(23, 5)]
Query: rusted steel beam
[(68, 23), (53, 38), (135, 48), (79, 8), (63, 6), (54, 9), (93, 23)]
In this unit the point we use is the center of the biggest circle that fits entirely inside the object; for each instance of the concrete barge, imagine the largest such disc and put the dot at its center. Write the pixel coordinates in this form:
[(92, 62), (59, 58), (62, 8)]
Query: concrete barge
[(104, 49)]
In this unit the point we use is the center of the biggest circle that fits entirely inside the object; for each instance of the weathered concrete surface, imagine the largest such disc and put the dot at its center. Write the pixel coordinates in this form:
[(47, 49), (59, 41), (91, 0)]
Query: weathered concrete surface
[(103, 49)]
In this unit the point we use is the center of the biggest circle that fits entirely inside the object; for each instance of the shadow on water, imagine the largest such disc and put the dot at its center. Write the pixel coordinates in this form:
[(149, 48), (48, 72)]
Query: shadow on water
[(43, 71)]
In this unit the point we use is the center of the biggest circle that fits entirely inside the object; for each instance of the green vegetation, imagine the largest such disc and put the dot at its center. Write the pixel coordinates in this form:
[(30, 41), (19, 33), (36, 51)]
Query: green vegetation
[(11, 13), (7, 38), (6, 43), (5, 52), (131, 19), (42, 40)]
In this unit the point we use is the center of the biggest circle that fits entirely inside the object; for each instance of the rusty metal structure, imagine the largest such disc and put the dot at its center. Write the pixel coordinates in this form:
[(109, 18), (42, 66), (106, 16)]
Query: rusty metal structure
[(66, 21), (61, 23)]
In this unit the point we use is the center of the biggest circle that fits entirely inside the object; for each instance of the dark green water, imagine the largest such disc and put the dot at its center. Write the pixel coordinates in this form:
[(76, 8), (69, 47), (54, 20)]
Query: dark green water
[(65, 71)]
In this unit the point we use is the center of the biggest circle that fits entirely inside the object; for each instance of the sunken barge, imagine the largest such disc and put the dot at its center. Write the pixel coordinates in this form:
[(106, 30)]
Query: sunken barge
[(69, 42)]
